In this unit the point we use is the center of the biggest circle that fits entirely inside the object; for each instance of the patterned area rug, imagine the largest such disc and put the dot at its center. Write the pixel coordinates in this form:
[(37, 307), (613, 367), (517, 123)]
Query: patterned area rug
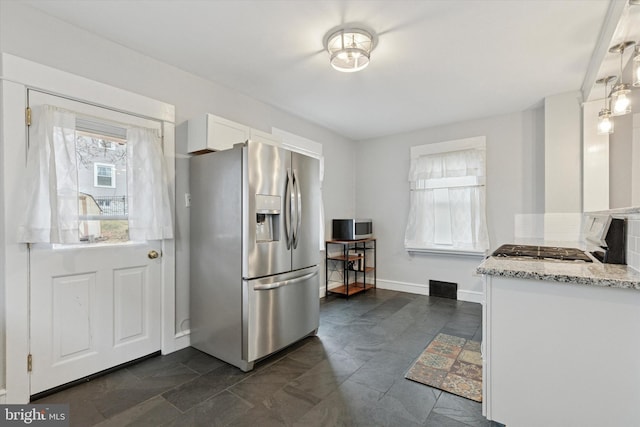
[(452, 364)]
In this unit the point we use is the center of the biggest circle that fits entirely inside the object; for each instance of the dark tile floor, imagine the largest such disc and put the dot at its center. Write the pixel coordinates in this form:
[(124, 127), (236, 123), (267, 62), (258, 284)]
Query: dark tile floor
[(351, 374)]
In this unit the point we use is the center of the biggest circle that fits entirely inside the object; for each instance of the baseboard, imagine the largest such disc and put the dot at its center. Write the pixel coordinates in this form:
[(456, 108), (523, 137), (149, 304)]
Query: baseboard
[(412, 288), (182, 340), (416, 288), (3, 396), (470, 296), (323, 290)]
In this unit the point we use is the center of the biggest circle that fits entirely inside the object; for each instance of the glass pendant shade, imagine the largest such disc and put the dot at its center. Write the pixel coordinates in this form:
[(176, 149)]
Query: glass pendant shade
[(620, 101), (350, 49), (605, 124)]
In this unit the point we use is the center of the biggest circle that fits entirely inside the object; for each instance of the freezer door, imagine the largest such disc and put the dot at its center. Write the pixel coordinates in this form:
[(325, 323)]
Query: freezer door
[(265, 240), (306, 211), (278, 311)]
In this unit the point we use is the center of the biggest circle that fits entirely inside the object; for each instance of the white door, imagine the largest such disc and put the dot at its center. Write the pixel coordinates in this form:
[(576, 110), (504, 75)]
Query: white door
[(96, 304)]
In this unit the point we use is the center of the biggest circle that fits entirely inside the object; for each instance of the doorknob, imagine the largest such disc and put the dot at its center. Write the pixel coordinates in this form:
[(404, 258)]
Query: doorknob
[(153, 254)]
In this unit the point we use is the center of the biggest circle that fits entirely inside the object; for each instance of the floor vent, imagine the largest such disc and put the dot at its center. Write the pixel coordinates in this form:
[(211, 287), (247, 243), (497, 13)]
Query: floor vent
[(443, 289)]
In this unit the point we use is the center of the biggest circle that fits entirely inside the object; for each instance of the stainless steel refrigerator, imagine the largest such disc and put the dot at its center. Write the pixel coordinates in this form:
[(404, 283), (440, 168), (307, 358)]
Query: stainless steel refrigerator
[(255, 212)]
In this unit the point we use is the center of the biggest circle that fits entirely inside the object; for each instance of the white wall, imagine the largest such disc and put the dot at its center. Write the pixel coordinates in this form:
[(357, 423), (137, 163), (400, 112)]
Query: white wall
[(563, 153), (621, 149), (2, 248), (515, 185), (595, 160), (635, 163), (563, 167), (28, 33), (614, 160), (621, 160)]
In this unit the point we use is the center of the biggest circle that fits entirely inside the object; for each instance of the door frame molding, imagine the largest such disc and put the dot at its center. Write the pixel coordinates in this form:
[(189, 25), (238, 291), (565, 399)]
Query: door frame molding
[(18, 75)]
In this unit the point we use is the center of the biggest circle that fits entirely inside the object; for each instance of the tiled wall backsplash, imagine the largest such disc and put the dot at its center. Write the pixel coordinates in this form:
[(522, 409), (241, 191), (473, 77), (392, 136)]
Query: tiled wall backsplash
[(633, 243)]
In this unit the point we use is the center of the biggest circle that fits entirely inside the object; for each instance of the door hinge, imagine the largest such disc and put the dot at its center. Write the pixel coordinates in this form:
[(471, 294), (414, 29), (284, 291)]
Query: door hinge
[(27, 116), (29, 362)]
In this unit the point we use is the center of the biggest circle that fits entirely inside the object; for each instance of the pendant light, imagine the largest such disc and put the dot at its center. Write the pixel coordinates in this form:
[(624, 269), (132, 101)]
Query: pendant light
[(620, 102), (605, 124)]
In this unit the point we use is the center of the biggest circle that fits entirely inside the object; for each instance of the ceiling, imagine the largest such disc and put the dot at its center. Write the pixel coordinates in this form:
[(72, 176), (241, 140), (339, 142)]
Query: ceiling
[(436, 62)]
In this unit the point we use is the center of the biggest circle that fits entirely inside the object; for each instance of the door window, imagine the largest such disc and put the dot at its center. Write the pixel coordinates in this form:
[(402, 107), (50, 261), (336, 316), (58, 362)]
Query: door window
[(80, 187), (102, 187)]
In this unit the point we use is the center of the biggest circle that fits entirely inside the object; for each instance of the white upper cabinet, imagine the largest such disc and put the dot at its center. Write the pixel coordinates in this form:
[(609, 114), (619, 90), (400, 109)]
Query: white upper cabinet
[(213, 133), (264, 137)]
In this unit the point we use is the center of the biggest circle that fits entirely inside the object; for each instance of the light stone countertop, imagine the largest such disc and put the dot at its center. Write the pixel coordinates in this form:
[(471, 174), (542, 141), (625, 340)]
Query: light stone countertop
[(584, 273), (631, 211)]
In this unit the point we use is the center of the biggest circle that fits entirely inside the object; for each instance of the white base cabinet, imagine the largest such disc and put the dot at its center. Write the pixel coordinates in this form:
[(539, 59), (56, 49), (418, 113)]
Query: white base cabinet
[(213, 133), (560, 354)]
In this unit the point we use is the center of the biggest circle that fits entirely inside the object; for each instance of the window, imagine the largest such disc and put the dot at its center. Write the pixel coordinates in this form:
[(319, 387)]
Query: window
[(447, 210), (102, 190), (104, 175), (64, 205)]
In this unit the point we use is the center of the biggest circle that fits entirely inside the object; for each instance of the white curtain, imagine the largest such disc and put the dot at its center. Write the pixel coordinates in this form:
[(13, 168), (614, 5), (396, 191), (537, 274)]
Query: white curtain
[(447, 165), (464, 201), (51, 188), (147, 187), (51, 183)]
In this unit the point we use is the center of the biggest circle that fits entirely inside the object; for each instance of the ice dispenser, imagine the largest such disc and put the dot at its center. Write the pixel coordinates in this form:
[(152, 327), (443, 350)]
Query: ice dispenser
[(267, 218)]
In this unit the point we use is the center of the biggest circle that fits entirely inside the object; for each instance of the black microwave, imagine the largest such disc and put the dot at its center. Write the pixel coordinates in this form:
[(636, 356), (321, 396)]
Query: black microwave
[(352, 229)]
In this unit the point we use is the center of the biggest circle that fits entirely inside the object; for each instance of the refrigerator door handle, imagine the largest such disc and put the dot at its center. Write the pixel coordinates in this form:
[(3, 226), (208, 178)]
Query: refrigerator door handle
[(275, 285), (298, 206), (287, 210)]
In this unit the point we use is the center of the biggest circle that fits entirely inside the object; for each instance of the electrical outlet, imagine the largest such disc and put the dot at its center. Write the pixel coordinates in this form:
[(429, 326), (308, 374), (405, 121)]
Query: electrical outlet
[(187, 200)]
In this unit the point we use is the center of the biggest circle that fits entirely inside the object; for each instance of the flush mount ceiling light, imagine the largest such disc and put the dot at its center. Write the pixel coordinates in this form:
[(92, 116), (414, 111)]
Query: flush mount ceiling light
[(619, 99), (605, 124), (350, 48)]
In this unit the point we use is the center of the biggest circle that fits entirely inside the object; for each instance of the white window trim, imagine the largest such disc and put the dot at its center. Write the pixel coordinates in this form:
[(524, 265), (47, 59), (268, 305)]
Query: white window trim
[(446, 250), (113, 174), (478, 143)]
